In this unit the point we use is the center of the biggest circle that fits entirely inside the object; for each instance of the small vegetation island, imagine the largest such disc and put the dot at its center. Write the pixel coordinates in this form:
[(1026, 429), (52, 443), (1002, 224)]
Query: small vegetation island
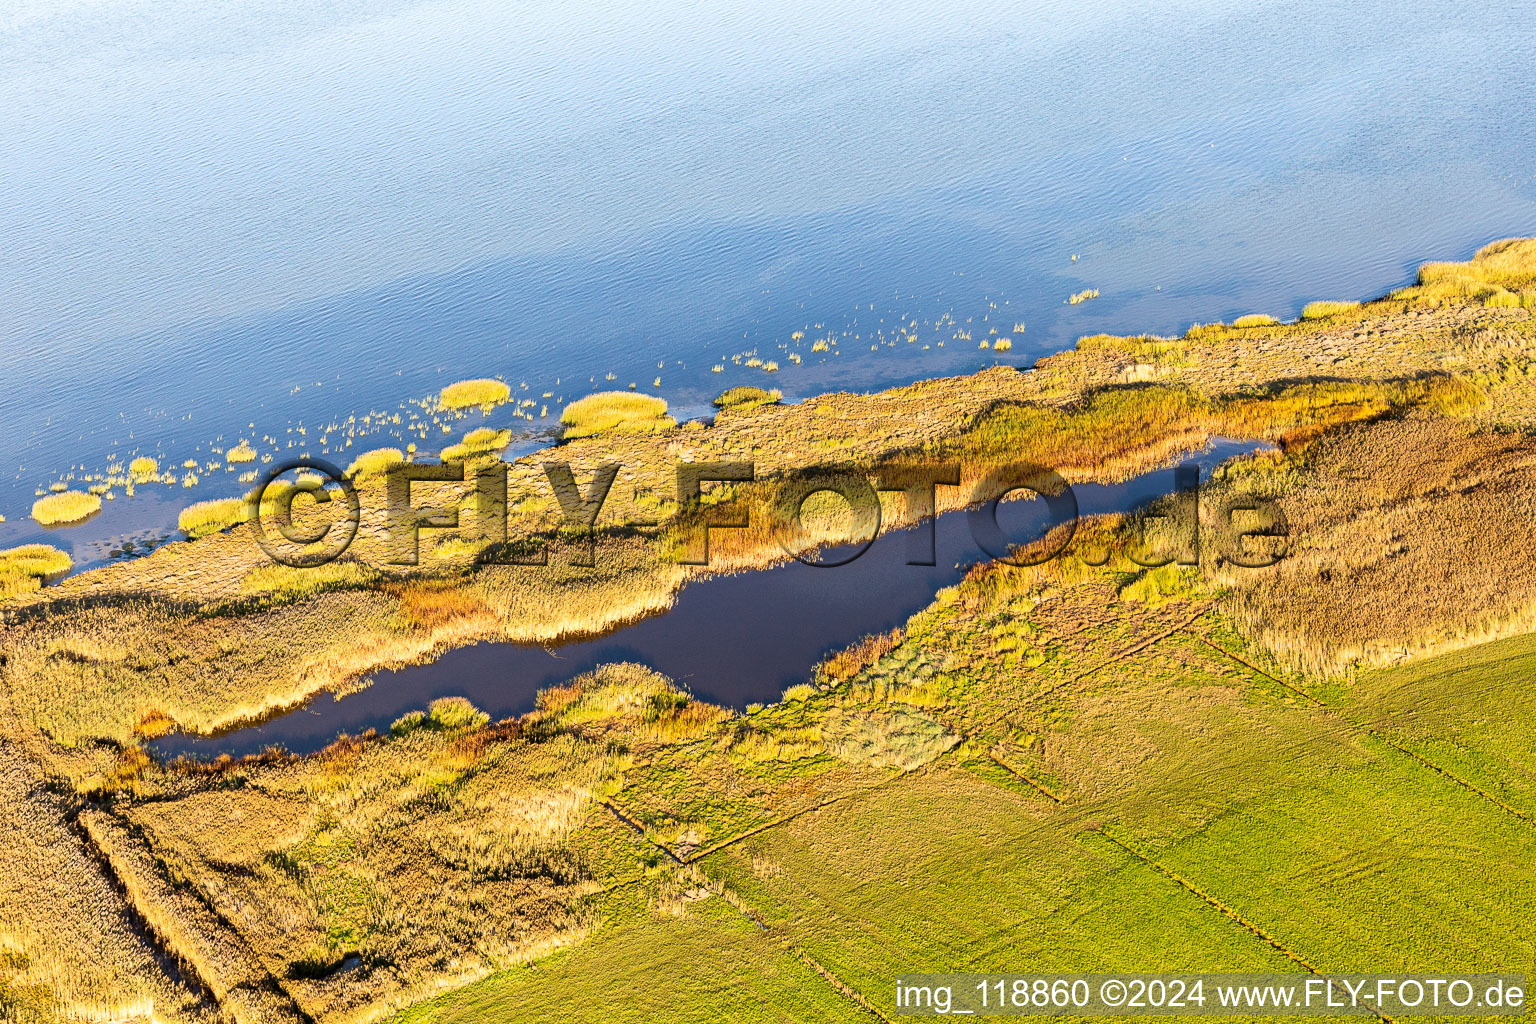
[(1081, 765)]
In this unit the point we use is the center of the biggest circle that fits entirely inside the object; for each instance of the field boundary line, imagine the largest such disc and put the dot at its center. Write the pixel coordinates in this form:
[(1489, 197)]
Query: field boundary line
[(1209, 900), (1122, 654), (785, 819), (837, 983), (1010, 769), (1383, 737), (735, 900), (1221, 908), (1458, 780), (1254, 668), (640, 830)]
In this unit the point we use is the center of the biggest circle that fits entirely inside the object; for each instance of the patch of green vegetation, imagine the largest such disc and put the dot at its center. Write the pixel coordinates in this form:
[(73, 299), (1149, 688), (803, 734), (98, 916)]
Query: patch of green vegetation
[(373, 464), (455, 714), (743, 398), (1323, 309), (1156, 587), (898, 737), (616, 412), (1254, 320), (290, 583), (65, 508), (697, 959), (1438, 709), (480, 443), (23, 569), (1501, 275), (467, 394), (212, 516)]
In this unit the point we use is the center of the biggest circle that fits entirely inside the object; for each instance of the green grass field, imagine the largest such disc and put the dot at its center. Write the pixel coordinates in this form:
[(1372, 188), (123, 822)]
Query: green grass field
[(1200, 815)]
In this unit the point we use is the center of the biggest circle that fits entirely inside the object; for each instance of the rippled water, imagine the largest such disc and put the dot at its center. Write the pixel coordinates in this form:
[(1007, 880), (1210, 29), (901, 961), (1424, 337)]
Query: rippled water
[(223, 221)]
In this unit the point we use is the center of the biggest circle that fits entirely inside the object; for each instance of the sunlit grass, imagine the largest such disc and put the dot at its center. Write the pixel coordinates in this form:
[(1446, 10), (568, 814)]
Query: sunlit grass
[(1255, 320), (747, 398), (241, 452), (1083, 296), (23, 569), (1319, 310), (213, 516), (144, 469), (1501, 275), (616, 412), (479, 443), (467, 394), (65, 507), (1002, 345), (374, 463), (281, 581)]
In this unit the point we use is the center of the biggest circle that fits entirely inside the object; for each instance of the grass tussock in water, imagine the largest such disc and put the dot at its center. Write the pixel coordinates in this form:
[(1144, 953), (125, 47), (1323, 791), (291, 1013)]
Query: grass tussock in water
[(213, 516), (1254, 320), (241, 452), (23, 569), (468, 394), (480, 443), (144, 469), (65, 507), (375, 463), (616, 412), (747, 397)]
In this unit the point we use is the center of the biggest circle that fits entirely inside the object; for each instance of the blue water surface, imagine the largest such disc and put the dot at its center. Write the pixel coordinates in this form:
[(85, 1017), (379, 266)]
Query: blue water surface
[(230, 221)]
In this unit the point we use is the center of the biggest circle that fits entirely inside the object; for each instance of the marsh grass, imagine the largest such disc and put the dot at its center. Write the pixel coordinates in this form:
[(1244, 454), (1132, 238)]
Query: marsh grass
[(743, 398), (1112, 422), (281, 582), (65, 508), (1254, 320), (468, 394), (480, 443), (144, 469), (373, 464), (616, 412), (1323, 309), (1502, 274), (212, 516), (241, 452), (24, 569), (892, 737)]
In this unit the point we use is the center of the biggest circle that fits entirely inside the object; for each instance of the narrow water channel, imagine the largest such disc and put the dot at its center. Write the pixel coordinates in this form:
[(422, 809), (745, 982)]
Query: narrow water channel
[(732, 640)]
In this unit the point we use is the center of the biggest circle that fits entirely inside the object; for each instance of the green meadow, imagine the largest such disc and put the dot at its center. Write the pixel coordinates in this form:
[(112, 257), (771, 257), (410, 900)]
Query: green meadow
[(1173, 809)]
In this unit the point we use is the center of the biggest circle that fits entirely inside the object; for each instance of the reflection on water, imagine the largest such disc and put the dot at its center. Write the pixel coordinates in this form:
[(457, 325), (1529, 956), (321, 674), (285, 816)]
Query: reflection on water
[(732, 640)]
